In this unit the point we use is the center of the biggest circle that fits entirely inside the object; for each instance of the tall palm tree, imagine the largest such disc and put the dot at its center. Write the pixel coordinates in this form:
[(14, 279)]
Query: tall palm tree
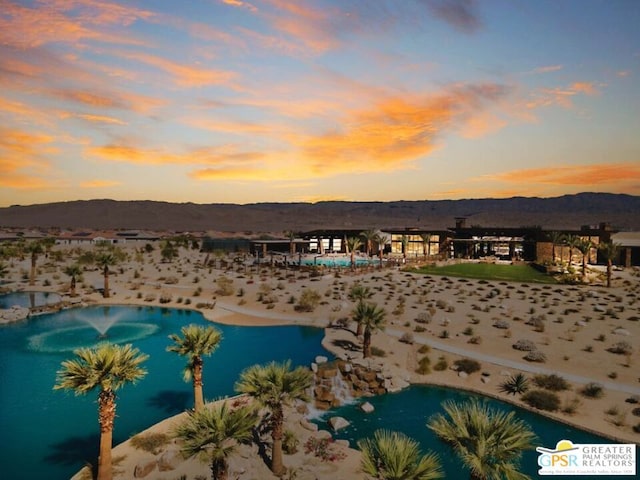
[(275, 385), (34, 248), (572, 242), (372, 319), (108, 368), (584, 246), (353, 244), (405, 244), (557, 238), (369, 236), (487, 441), (4, 270), (426, 244), (394, 456), (359, 293), (104, 260), (73, 271), (291, 235), (609, 251), (381, 240), (195, 342), (214, 433)]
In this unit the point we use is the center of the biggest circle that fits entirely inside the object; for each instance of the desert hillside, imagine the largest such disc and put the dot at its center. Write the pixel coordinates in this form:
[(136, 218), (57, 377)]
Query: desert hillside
[(566, 212)]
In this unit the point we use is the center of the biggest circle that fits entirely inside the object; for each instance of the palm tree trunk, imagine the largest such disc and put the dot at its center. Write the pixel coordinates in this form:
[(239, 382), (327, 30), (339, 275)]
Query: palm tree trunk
[(32, 276), (106, 282), (359, 329), (106, 416), (366, 343), (198, 397), (277, 465), (73, 286), (219, 469), (609, 273)]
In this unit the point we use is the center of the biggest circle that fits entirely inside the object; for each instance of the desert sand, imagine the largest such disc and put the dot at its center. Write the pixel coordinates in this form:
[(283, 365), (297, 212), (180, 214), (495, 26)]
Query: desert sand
[(574, 326)]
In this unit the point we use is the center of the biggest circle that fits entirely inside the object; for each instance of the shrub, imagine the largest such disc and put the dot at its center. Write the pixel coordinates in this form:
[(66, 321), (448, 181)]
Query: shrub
[(570, 406), (407, 338), (552, 382), (444, 334), (467, 365), (424, 366), (424, 349), (535, 356), (476, 340), (424, 317), (378, 352), (525, 345), (593, 390), (621, 348), (225, 286), (322, 448), (308, 301), (150, 442), (542, 400), (502, 324), (441, 364), (289, 442), (517, 383)]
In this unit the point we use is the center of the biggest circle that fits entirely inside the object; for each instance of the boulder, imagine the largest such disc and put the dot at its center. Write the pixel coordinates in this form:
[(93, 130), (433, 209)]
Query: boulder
[(320, 359), (484, 379), (307, 425), (366, 407), (314, 367), (338, 423), (463, 374), (347, 368), (144, 468), (169, 460)]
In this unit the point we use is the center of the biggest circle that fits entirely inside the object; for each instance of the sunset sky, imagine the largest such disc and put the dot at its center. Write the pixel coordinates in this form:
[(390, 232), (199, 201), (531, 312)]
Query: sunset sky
[(237, 101)]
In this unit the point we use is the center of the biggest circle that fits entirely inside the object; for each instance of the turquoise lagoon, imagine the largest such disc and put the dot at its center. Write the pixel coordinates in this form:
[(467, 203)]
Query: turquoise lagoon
[(28, 299), (52, 434), (408, 411)]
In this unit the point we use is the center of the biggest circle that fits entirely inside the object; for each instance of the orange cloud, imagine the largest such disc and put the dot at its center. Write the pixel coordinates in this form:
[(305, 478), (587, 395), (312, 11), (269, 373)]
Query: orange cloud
[(21, 158), (55, 21), (101, 119), (582, 175), (130, 154), (99, 184), (110, 99), (239, 3), (185, 75)]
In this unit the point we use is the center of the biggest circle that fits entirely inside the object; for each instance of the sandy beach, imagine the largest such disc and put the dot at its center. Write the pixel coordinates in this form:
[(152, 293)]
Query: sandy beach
[(575, 327)]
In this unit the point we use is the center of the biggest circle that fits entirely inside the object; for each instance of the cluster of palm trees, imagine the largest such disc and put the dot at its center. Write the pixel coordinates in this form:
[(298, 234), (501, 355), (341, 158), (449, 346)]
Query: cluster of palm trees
[(210, 431), (369, 317), (609, 250)]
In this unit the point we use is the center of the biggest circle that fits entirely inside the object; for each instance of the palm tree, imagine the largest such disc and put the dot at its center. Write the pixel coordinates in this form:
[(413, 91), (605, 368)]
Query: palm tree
[(353, 244), (359, 293), (213, 434), (394, 456), (168, 251), (487, 441), (107, 367), (609, 251), (426, 244), (372, 318), (104, 261), (557, 238), (275, 385), (584, 246), (291, 235), (381, 240), (4, 270), (517, 383), (195, 342), (369, 236), (73, 271), (34, 248), (572, 242), (405, 243)]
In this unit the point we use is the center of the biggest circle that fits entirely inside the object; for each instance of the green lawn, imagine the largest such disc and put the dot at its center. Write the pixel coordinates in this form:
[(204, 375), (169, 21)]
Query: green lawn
[(489, 271)]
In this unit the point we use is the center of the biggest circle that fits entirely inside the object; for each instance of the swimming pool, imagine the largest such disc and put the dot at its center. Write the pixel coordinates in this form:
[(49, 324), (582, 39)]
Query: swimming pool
[(338, 261), (47, 434)]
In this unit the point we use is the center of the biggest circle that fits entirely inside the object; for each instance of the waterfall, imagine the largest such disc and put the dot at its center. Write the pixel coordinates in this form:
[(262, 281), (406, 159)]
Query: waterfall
[(341, 389)]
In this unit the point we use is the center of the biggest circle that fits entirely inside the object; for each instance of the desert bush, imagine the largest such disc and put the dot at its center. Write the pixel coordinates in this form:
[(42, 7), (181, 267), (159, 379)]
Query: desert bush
[(323, 449), (424, 366), (308, 301), (502, 324), (552, 382), (542, 400), (378, 352), (621, 348), (444, 334), (467, 365), (225, 286), (424, 349), (592, 390), (441, 365), (407, 338), (570, 405), (535, 356), (150, 442), (475, 340), (165, 297), (289, 442), (419, 329), (424, 317), (517, 383), (525, 345)]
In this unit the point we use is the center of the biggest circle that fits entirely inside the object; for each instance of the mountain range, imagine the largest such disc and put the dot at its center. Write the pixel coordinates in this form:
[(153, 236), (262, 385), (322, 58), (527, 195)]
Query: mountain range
[(565, 212)]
